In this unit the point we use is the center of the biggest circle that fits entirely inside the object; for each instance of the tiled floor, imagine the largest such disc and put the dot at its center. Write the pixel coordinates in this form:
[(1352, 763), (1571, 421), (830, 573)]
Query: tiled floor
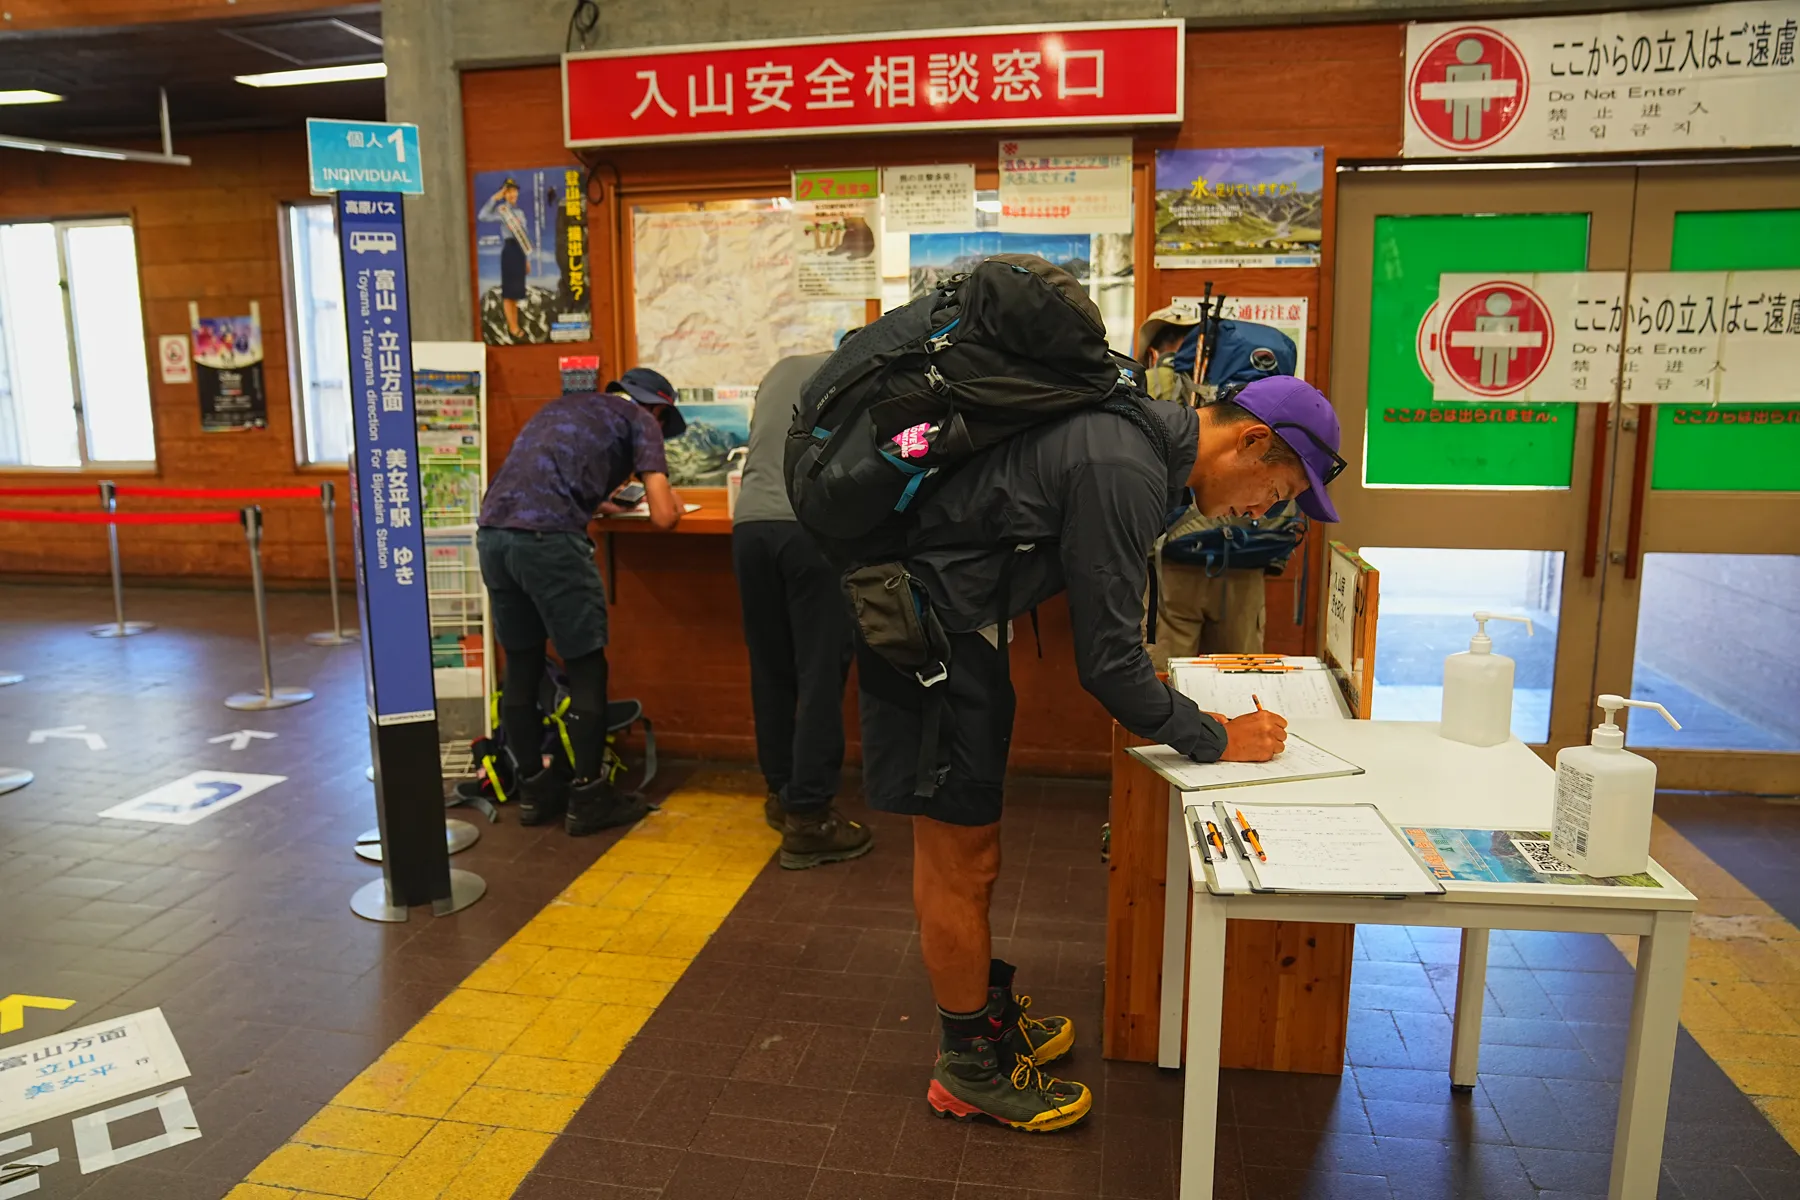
[(789, 1061)]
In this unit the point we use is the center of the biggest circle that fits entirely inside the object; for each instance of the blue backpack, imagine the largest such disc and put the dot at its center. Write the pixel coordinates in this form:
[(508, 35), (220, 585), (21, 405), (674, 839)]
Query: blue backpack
[(1242, 353)]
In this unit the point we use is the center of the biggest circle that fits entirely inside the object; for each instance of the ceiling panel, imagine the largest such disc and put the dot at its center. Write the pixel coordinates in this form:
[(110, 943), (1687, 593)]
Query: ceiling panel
[(110, 76)]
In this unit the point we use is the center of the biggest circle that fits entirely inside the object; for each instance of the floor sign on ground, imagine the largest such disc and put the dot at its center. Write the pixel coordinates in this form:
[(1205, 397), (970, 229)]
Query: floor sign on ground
[(52, 1076), (192, 797)]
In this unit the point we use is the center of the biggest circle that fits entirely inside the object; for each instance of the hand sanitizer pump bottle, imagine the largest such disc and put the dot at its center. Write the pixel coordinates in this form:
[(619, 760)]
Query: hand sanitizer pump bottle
[(1604, 799), (1478, 688)]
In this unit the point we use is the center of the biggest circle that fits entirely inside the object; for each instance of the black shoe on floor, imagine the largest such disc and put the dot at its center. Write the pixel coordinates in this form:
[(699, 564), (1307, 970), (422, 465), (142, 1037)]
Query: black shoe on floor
[(543, 798), (971, 1082), (599, 805), (827, 836), (772, 811)]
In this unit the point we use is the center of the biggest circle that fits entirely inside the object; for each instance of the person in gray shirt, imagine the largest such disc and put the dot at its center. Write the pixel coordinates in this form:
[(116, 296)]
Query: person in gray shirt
[(797, 628)]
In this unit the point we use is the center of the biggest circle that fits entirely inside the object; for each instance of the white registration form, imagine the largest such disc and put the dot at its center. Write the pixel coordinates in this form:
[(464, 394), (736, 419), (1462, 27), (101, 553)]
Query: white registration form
[(1299, 760)]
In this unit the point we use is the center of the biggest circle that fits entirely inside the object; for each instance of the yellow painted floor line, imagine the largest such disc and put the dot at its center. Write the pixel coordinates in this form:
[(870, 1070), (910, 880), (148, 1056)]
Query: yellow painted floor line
[(468, 1101), (1742, 1001)]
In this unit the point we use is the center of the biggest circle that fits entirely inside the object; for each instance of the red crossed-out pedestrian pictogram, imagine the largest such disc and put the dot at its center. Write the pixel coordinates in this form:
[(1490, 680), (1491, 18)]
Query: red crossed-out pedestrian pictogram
[(1468, 90), (1496, 338)]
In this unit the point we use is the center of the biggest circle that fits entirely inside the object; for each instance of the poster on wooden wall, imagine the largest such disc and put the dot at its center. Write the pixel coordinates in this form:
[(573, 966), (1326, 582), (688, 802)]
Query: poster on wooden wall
[(228, 357), (531, 259), (1253, 207)]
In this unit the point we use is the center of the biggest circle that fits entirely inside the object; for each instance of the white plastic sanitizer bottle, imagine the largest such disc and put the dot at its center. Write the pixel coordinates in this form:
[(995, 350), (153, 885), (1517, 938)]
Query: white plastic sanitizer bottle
[(1605, 796), (1478, 688)]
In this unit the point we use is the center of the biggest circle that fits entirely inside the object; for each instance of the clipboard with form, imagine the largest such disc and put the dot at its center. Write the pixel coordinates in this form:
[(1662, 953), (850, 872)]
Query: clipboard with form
[(1331, 849), (1299, 759)]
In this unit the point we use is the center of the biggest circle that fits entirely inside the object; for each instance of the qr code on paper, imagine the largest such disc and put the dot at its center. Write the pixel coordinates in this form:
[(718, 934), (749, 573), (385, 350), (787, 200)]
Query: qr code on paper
[(1539, 856)]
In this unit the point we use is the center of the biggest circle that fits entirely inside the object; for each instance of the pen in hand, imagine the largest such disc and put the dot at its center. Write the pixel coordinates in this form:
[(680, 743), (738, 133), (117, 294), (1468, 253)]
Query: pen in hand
[(1254, 699)]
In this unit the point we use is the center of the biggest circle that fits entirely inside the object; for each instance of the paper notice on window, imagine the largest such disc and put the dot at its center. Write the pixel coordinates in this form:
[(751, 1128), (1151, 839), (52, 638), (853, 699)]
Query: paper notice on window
[(837, 255), (930, 199), (1066, 185)]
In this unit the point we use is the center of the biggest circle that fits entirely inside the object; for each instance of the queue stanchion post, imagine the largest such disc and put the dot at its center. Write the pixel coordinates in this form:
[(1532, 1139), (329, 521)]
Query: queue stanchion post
[(109, 504), (12, 778), (337, 635), (270, 696)]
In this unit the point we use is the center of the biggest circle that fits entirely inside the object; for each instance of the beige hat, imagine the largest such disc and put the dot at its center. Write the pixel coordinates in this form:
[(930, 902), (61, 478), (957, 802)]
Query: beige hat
[(1182, 312)]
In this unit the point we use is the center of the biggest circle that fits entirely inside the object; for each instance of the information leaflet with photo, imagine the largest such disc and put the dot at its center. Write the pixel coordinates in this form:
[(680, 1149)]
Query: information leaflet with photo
[(1336, 849), (837, 215), (1655, 79), (1066, 185), (928, 199), (1299, 760), (66, 1072)]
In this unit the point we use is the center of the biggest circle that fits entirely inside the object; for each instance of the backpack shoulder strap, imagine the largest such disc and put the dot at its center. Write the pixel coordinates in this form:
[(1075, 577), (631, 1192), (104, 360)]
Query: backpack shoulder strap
[(872, 345)]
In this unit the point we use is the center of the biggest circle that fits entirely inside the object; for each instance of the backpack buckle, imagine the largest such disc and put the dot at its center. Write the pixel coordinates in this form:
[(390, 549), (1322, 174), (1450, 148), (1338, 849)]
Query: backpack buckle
[(935, 379), (938, 673)]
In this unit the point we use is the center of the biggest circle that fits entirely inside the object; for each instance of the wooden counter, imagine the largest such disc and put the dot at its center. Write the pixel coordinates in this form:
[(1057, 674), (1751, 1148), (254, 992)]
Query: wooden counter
[(1287, 983)]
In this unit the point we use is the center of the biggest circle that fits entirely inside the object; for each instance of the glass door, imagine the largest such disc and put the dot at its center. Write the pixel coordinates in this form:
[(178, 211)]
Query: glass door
[(1702, 590), (1466, 506)]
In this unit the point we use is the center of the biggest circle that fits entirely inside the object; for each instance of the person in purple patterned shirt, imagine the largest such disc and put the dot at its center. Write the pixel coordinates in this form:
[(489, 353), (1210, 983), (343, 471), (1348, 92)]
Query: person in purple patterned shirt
[(538, 564)]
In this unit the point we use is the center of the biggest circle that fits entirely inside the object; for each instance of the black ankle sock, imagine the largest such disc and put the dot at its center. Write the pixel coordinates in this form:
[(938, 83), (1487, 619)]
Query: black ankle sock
[(967, 1026), (1000, 975)]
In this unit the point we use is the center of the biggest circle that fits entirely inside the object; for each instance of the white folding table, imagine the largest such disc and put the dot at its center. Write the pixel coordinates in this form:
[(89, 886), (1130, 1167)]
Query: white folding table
[(1420, 779)]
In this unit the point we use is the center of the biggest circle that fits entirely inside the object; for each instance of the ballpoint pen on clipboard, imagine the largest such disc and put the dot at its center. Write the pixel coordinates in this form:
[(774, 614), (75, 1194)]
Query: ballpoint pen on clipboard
[(1249, 835), (1200, 839), (1217, 841)]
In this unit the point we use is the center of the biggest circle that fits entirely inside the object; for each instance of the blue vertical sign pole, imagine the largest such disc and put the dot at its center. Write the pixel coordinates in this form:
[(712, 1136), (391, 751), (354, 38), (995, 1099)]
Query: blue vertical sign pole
[(387, 515)]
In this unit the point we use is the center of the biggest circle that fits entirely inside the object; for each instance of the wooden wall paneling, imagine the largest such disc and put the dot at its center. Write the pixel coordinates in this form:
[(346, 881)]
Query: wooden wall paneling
[(209, 233)]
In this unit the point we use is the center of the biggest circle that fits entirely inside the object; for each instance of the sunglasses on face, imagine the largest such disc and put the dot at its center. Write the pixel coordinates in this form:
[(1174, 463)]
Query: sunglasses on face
[(1337, 462)]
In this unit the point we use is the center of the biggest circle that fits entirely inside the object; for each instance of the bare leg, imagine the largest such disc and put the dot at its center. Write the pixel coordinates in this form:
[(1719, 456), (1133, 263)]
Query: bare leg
[(512, 317), (954, 868)]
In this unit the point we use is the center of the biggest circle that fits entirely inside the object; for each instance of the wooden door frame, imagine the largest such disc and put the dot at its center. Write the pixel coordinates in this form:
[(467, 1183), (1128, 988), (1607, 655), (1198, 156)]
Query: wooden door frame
[(1691, 522), (1523, 519)]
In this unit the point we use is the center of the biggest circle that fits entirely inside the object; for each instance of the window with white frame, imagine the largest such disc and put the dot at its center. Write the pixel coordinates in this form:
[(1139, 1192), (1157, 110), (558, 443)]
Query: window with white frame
[(74, 368), (319, 361)]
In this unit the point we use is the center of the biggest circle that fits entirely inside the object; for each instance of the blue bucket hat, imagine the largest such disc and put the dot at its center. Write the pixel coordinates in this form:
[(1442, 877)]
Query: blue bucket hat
[(652, 390)]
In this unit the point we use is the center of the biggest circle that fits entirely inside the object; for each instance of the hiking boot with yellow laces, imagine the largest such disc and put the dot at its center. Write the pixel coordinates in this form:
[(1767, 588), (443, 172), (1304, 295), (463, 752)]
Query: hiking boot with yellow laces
[(979, 1077), (1041, 1039)]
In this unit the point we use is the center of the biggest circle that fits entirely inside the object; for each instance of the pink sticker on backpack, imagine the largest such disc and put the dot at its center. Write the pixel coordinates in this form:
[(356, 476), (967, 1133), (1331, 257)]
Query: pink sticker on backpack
[(911, 442)]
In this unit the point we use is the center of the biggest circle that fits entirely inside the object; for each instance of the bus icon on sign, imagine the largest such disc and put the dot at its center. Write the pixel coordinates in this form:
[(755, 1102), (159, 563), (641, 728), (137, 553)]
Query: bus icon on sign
[(380, 242)]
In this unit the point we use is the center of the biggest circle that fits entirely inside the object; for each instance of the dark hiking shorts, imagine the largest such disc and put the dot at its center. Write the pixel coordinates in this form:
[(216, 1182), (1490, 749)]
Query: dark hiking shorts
[(974, 734), (543, 586)]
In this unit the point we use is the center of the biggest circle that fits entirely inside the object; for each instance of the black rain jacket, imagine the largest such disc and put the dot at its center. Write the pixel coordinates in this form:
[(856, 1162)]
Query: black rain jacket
[(1090, 495)]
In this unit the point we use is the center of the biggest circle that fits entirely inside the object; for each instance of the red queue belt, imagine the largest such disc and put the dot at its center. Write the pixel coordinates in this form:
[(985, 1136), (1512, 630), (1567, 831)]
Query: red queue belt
[(152, 491), (49, 516)]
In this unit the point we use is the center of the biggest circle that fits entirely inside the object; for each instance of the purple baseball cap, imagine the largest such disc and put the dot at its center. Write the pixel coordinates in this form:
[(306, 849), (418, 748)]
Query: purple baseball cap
[(1302, 417)]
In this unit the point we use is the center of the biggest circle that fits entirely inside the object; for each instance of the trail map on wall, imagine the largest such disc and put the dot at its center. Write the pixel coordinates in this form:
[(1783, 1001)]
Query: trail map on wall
[(717, 303)]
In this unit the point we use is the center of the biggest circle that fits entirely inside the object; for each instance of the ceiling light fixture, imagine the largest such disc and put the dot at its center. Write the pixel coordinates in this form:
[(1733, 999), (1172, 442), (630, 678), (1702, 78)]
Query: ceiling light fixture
[(29, 96), (344, 74), (168, 157)]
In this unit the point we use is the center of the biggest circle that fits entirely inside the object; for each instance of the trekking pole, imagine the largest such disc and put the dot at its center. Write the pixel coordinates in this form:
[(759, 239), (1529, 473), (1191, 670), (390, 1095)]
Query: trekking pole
[(1209, 341), (1200, 348), (270, 696), (109, 504), (337, 635)]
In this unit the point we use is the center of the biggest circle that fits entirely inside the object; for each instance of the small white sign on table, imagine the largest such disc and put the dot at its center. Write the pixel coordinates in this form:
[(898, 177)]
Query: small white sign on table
[(66, 1072), (192, 797)]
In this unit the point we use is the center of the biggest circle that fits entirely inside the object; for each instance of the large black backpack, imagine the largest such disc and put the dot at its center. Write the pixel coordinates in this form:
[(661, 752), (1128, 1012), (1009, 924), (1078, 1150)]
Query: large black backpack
[(1012, 344)]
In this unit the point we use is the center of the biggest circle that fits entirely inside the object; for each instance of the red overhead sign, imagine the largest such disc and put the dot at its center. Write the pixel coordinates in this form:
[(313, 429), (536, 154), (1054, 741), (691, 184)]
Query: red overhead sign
[(1104, 74)]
